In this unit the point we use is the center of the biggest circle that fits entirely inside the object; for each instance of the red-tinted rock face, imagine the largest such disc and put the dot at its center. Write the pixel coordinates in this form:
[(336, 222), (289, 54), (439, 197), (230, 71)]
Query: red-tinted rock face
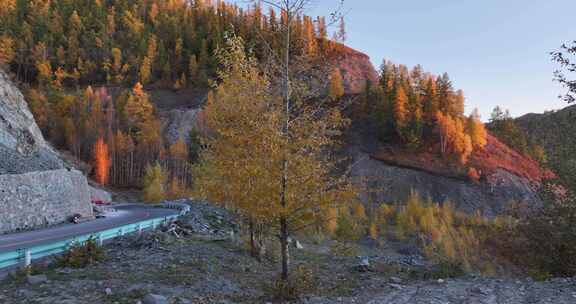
[(356, 68)]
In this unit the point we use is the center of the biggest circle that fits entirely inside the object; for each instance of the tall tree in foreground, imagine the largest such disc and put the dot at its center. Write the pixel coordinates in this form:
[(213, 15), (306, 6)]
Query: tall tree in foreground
[(565, 58), (269, 155)]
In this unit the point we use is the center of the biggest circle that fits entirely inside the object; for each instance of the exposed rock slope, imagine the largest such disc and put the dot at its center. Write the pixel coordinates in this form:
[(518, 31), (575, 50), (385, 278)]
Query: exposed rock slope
[(22, 147), (35, 188), (42, 198), (356, 68), (385, 183), (388, 176)]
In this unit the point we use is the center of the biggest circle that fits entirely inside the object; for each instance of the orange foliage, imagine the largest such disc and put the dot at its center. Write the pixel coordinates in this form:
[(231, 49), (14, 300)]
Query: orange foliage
[(400, 109), (453, 138), (102, 162), (179, 150), (473, 174)]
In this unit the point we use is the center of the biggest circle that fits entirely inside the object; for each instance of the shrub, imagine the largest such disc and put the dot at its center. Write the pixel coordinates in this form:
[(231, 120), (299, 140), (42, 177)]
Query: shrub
[(154, 184), (449, 269), (473, 175), (373, 231), (344, 249), (81, 255), (546, 239), (348, 229), (447, 236), (302, 282)]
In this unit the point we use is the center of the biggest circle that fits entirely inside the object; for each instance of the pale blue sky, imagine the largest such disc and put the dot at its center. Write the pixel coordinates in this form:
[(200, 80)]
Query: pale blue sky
[(497, 51)]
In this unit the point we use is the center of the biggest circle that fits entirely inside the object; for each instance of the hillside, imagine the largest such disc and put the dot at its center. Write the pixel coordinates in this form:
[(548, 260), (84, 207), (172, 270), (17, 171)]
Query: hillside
[(389, 173), (555, 132), (143, 104)]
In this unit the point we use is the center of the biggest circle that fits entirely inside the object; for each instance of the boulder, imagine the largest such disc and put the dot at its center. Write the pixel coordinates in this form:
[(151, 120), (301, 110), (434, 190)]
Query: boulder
[(154, 299), (97, 194), (36, 279)]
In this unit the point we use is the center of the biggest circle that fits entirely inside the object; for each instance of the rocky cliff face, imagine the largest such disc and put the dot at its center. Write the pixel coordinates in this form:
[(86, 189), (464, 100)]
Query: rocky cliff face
[(42, 198), (391, 178), (384, 183), (35, 188), (356, 68), (178, 123), (22, 146)]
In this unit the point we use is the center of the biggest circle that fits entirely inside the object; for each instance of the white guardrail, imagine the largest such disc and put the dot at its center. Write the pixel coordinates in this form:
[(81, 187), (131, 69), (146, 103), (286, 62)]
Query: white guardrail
[(25, 256)]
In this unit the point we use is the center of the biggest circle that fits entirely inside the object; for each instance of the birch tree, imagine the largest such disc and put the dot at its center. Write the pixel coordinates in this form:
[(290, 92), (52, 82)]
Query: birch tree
[(269, 155)]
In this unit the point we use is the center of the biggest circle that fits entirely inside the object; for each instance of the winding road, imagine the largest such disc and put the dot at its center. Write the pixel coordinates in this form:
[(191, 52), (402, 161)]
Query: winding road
[(125, 214)]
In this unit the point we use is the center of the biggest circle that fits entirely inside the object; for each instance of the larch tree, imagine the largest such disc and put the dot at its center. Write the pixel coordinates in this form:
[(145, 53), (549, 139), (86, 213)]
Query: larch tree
[(139, 110), (154, 184), (457, 106), (462, 143), (310, 37), (400, 110), (145, 71), (102, 162), (268, 157), (477, 130), (430, 102), (454, 141), (6, 50), (193, 70), (336, 89), (446, 129)]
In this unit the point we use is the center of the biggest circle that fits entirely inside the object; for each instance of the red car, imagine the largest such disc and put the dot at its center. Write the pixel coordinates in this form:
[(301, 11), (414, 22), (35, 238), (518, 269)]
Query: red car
[(100, 202)]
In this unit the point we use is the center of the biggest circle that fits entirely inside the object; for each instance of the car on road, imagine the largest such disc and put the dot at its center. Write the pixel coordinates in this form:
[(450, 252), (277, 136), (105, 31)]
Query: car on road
[(75, 219)]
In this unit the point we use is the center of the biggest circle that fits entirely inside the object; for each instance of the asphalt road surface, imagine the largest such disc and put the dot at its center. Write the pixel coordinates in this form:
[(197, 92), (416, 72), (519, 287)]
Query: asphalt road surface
[(126, 214)]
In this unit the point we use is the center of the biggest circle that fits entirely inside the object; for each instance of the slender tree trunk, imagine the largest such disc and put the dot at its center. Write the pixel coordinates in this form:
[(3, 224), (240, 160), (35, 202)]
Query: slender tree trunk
[(284, 232), (252, 238), (284, 237)]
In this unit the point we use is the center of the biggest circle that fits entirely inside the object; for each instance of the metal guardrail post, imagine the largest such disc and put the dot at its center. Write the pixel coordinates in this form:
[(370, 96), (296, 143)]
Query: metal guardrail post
[(139, 227), (27, 257), (100, 240)]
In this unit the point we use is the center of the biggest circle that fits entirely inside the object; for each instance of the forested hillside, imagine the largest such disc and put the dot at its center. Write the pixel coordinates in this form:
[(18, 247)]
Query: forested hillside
[(416, 108), (88, 67), (162, 43), (89, 70), (554, 131)]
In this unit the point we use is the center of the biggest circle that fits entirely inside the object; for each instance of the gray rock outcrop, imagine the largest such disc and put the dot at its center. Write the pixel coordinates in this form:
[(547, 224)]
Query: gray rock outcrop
[(178, 123), (43, 198), (356, 69), (383, 183), (97, 194), (35, 188), (22, 147)]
